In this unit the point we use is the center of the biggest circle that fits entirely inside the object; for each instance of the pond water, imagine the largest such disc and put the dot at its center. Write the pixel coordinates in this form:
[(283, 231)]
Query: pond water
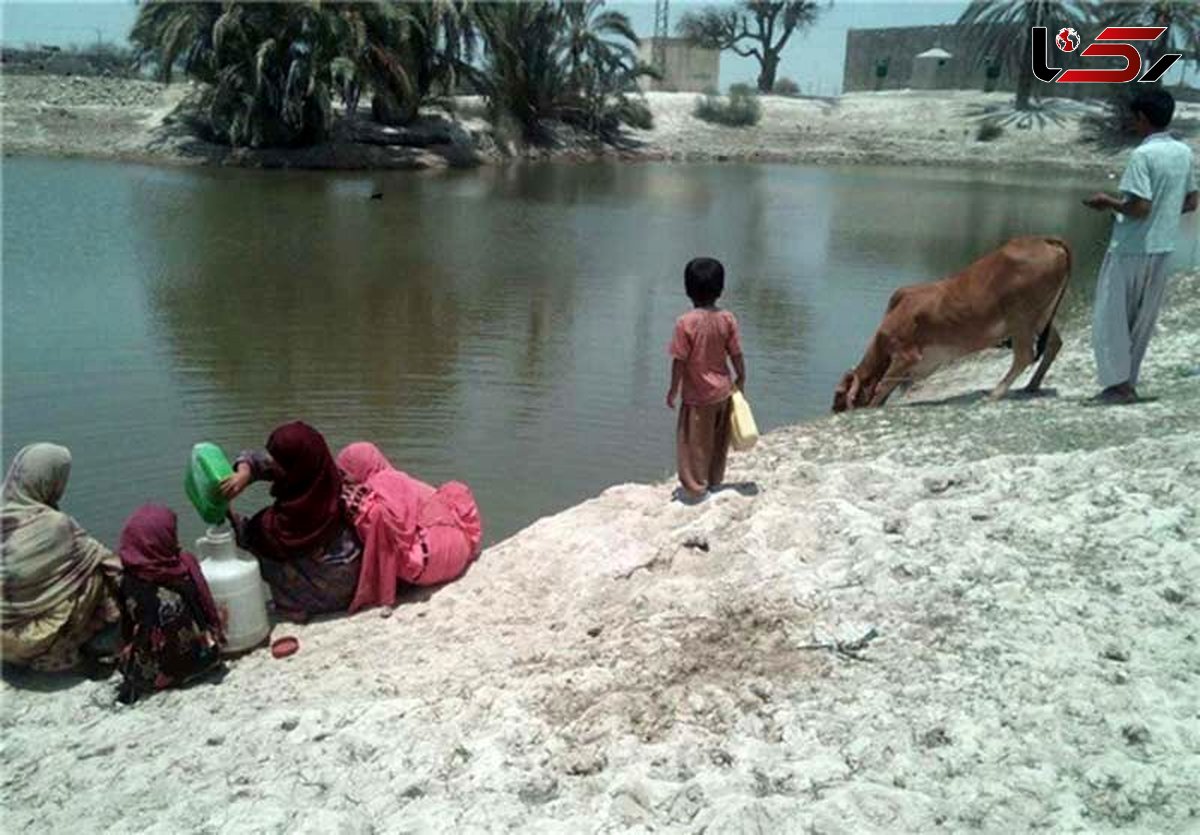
[(506, 327)]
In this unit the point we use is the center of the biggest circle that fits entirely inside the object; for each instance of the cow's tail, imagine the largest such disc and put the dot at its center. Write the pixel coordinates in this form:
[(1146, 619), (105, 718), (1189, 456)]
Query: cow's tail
[(1044, 336)]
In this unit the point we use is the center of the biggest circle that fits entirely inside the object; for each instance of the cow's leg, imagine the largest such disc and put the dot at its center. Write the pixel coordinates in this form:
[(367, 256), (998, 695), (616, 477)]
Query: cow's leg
[(897, 373), (1022, 359), (1053, 344)]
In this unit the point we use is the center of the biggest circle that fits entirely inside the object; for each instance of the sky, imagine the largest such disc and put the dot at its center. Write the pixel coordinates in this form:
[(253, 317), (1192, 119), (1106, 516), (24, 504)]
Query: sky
[(813, 58)]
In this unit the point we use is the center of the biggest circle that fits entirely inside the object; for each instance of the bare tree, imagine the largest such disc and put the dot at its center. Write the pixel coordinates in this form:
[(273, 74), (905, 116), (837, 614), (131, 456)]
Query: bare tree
[(758, 29)]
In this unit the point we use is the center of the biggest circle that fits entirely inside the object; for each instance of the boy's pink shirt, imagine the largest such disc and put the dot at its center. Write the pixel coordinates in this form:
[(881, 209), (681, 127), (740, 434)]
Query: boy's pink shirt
[(703, 341)]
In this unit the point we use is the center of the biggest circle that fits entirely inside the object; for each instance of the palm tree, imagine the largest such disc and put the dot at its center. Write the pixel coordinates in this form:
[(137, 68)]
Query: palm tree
[(596, 38), (568, 60), (273, 84), (433, 40), (1181, 17), (522, 75), (372, 46), (270, 69), (169, 34), (442, 38), (998, 20), (601, 61)]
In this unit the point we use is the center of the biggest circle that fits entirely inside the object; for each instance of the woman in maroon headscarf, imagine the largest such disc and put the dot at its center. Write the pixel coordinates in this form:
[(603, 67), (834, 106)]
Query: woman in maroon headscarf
[(170, 627), (308, 552)]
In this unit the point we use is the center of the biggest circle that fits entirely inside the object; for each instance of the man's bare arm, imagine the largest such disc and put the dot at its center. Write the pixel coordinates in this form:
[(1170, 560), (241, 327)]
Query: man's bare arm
[(1135, 207)]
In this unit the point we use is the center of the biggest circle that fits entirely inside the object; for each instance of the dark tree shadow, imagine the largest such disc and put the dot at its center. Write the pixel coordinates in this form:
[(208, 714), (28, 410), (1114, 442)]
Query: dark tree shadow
[(964, 399), (23, 678), (980, 396), (1047, 112), (407, 595), (742, 488), (680, 495)]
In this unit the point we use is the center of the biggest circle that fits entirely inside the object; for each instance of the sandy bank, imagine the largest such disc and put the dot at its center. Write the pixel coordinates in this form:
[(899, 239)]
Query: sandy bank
[(126, 119), (1021, 581)]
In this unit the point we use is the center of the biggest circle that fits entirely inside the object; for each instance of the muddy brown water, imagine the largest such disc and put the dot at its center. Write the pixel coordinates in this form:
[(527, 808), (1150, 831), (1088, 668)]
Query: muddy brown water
[(506, 327)]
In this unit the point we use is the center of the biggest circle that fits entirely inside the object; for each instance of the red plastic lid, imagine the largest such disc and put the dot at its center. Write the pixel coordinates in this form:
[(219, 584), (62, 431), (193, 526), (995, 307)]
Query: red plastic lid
[(283, 647)]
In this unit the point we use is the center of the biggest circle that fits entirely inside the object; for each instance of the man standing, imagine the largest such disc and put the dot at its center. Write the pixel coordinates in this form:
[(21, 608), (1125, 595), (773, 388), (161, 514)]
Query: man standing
[(1158, 186)]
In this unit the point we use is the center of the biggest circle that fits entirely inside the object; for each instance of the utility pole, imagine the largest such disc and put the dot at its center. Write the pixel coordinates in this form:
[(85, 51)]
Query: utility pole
[(662, 30)]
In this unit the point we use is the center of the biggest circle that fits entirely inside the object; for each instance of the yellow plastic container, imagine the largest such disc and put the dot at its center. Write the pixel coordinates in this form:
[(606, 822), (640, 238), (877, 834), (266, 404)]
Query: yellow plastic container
[(743, 433)]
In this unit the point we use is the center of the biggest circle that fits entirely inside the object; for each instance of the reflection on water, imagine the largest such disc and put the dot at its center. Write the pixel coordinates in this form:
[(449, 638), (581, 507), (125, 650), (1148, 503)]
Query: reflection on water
[(506, 327)]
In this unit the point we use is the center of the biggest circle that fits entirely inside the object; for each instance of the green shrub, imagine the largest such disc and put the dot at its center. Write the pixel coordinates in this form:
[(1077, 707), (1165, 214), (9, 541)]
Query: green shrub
[(786, 87), (635, 113), (988, 130), (741, 109)]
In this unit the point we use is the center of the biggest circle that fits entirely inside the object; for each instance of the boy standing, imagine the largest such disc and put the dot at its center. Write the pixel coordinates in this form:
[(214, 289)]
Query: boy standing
[(1158, 186), (705, 342)]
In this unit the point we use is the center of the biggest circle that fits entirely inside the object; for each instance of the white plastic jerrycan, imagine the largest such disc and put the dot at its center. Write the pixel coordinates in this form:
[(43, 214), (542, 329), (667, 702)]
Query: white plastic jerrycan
[(236, 587)]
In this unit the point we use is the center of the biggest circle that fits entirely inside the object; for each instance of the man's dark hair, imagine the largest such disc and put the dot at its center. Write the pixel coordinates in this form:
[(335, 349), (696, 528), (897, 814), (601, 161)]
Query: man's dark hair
[(1158, 106), (704, 280)]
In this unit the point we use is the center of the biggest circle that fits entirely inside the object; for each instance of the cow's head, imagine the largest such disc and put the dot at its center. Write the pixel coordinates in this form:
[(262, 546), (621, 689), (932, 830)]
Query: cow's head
[(850, 393)]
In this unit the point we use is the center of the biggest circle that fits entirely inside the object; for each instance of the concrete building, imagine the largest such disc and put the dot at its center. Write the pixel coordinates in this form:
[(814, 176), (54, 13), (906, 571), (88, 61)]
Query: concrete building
[(689, 69), (933, 70), (897, 58), (953, 57)]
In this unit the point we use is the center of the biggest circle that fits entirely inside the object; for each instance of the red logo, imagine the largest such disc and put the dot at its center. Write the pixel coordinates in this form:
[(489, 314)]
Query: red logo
[(1113, 42), (1067, 40)]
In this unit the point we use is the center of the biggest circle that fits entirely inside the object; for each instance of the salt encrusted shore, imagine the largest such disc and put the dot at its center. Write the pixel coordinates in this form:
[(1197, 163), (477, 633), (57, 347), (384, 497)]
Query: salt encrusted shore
[(945, 615), (124, 119)]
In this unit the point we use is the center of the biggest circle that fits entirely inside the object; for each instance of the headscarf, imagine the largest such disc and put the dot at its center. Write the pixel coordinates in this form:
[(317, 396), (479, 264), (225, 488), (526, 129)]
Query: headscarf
[(386, 508), (46, 558), (150, 551), (307, 512), (361, 460)]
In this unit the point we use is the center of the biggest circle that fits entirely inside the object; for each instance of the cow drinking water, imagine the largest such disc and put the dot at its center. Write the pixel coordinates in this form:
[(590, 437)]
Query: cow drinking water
[(1011, 293)]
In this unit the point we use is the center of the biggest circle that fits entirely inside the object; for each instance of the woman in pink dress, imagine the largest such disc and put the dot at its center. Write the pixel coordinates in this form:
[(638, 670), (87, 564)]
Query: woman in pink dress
[(411, 533)]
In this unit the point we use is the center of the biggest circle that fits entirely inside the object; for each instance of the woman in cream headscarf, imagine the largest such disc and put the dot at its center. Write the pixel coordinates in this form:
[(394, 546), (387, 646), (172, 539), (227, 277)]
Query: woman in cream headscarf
[(57, 584)]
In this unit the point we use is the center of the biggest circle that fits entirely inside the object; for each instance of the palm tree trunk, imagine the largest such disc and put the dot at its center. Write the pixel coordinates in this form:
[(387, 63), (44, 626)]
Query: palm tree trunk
[(1025, 78)]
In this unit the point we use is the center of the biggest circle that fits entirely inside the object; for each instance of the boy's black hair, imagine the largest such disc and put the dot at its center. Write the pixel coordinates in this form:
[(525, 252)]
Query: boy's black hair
[(1157, 105), (704, 280)]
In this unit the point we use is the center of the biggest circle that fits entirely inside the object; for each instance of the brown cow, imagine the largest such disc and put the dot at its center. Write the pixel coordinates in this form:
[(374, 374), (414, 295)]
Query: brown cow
[(1011, 294)]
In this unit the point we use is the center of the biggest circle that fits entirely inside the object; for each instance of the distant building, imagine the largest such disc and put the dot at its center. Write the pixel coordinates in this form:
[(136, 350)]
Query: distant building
[(953, 57), (932, 70), (921, 57), (689, 68)]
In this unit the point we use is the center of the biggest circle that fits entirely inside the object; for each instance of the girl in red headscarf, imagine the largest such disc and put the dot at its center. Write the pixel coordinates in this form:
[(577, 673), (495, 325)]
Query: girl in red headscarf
[(170, 628), (411, 533), (307, 550)]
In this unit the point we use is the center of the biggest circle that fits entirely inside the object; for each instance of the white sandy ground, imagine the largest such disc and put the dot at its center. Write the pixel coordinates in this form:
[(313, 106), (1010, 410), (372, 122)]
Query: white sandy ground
[(1030, 570), (906, 126), (124, 119)]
